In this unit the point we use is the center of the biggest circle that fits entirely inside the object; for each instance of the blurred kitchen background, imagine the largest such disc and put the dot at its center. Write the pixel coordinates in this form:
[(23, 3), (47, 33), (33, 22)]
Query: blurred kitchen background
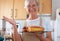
[(49, 9)]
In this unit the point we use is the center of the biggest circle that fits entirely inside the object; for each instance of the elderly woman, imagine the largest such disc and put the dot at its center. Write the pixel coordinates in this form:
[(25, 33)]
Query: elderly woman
[(32, 9)]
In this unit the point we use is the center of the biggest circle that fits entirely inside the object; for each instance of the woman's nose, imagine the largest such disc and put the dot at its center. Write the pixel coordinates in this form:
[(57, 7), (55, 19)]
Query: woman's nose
[(31, 8)]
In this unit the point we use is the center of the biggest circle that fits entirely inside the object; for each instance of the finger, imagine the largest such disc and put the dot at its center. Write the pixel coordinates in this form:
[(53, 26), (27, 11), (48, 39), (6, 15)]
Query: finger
[(7, 19)]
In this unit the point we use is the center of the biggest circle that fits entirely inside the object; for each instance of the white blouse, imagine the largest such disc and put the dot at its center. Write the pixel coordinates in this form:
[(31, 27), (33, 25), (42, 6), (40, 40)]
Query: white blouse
[(36, 22)]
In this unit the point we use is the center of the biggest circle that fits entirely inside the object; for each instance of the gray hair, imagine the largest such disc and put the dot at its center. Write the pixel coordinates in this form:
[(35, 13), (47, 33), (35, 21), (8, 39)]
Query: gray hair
[(27, 2)]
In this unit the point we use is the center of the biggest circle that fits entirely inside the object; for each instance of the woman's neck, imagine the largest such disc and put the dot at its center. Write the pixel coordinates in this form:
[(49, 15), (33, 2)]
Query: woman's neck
[(32, 16)]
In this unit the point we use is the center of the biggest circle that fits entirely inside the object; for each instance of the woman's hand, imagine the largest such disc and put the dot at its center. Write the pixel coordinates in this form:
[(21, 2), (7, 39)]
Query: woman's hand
[(15, 32), (11, 21)]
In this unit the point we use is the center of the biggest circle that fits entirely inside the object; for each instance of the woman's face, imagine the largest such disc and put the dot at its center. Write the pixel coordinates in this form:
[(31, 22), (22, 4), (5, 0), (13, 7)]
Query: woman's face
[(32, 8)]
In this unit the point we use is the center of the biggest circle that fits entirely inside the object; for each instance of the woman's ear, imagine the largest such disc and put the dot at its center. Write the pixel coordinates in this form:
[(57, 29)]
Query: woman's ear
[(38, 8)]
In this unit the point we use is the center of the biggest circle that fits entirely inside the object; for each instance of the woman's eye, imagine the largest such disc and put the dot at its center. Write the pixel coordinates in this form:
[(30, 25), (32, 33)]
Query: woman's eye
[(31, 5)]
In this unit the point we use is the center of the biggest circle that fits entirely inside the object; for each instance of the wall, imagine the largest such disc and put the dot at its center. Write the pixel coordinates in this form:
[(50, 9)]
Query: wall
[(55, 5)]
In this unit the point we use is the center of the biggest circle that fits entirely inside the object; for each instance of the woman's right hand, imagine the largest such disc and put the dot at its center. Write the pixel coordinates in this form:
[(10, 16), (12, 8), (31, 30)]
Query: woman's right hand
[(11, 21)]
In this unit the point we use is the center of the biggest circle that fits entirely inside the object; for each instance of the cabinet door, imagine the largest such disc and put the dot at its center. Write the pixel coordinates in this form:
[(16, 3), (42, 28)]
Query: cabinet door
[(45, 6), (0, 9), (5, 8), (20, 12)]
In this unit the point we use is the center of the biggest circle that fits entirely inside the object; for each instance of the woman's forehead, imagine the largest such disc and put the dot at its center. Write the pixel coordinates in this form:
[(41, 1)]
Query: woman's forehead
[(28, 2), (32, 2)]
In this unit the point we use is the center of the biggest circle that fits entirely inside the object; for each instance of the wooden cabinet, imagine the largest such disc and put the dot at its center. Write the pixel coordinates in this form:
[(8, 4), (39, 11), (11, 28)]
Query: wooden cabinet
[(20, 12), (45, 6), (15, 8), (5, 8), (12, 8), (0, 9)]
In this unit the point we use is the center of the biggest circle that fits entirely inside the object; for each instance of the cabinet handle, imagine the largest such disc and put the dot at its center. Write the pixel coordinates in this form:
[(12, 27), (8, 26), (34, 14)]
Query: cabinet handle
[(12, 15)]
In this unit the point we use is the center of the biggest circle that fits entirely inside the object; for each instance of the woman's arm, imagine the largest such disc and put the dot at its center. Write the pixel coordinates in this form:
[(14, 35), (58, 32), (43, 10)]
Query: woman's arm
[(16, 36), (42, 38)]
